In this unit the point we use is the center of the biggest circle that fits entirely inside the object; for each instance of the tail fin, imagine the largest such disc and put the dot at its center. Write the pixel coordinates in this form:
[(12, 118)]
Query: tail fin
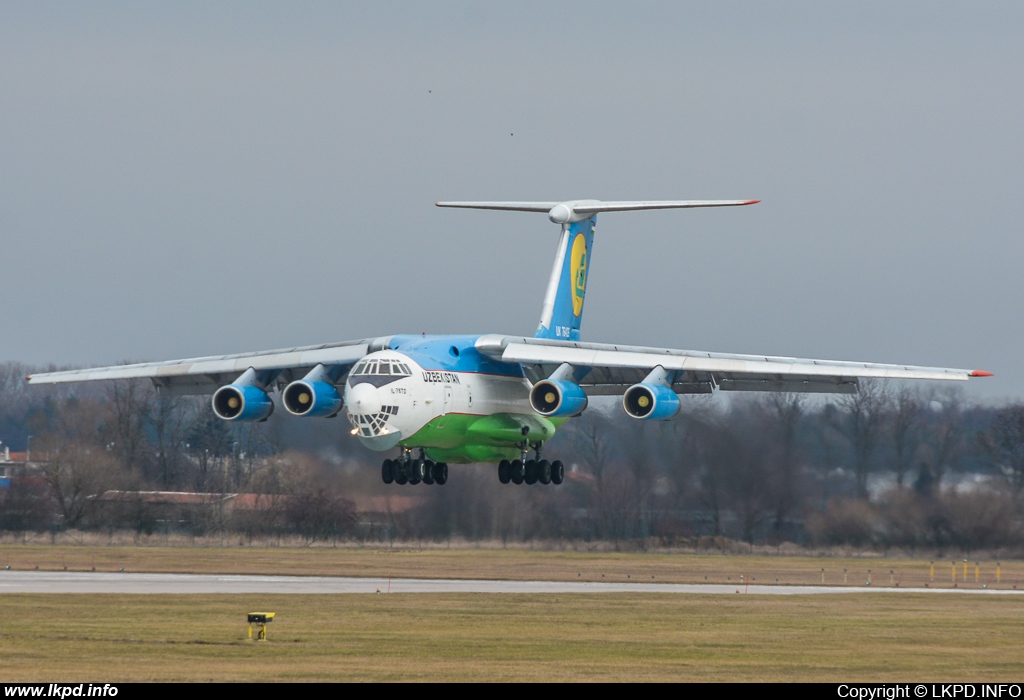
[(562, 313), (563, 303)]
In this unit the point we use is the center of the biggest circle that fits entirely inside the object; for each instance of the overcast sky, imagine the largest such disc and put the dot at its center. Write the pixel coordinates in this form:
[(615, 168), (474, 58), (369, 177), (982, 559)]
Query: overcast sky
[(184, 179)]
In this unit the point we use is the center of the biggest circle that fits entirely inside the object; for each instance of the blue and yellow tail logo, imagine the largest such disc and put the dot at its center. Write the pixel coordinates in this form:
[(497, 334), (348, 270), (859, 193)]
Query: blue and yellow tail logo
[(562, 319), (579, 272)]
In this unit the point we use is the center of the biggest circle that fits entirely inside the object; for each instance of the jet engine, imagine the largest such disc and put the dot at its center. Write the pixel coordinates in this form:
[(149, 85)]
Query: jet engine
[(311, 398), (558, 397), (242, 402), (650, 401)]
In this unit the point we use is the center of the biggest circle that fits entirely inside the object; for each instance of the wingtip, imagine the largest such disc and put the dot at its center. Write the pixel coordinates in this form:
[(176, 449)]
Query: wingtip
[(752, 201), (981, 373)]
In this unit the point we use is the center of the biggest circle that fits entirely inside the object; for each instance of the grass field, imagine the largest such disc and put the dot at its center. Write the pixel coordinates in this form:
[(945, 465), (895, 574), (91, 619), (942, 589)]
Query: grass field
[(622, 637), (897, 637), (513, 564)]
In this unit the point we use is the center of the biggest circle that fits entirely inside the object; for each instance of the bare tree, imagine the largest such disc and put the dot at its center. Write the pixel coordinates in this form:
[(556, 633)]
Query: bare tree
[(12, 382), (860, 420), (209, 443), (826, 438), (746, 459), (315, 507), (946, 431), (591, 440), (1004, 444), (169, 417), (643, 441), (734, 474), (26, 505), (616, 505), (15, 405), (251, 442), (905, 431), (703, 440), (680, 469), (77, 474), (788, 412), (129, 402)]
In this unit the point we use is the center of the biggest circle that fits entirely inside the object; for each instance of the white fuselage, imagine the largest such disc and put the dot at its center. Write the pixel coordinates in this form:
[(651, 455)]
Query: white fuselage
[(386, 408)]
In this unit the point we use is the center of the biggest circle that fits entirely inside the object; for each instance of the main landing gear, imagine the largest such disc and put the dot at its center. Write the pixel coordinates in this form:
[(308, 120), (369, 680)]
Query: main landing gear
[(414, 471), (531, 471)]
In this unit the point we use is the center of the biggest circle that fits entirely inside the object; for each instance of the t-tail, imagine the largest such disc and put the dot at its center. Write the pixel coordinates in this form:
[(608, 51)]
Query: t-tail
[(562, 312)]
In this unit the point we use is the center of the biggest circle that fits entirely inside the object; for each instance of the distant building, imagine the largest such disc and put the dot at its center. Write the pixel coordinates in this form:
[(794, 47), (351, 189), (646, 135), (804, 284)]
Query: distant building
[(15, 465)]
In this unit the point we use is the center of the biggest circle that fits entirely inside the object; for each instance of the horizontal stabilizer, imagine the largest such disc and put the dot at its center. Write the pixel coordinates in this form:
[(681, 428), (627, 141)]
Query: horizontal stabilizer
[(580, 209), (598, 207), (503, 206)]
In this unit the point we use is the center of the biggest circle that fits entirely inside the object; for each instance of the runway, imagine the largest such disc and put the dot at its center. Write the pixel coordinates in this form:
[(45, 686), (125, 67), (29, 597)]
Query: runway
[(63, 582)]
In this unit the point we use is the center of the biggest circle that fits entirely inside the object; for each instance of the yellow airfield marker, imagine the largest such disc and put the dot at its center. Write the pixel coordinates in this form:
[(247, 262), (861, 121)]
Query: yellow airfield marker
[(261, 619)]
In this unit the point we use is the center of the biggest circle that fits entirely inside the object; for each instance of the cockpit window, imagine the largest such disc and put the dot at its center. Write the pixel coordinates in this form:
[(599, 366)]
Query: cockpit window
[(389, 367)]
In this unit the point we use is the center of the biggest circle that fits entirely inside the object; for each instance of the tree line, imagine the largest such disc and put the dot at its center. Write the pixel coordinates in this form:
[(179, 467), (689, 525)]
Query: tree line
[(894, 465)]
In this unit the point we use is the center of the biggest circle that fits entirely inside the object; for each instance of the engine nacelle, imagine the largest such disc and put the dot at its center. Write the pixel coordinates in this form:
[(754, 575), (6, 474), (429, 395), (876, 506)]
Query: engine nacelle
[(558, 397), (650, 402), (311, 398), (242, 402)]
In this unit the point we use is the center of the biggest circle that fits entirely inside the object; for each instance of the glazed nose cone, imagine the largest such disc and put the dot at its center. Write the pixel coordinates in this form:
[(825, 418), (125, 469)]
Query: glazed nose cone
[(363, 399)]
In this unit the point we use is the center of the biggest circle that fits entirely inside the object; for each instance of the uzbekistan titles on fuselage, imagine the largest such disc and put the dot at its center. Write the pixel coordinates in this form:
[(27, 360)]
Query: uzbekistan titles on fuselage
[(439, 394)]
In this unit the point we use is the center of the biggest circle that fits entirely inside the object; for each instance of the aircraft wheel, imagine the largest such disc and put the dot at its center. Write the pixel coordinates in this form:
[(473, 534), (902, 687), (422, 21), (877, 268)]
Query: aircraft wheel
[(504, 471), (516, 472), (557, 472), (415, 471), (428, 473), (441, 473), (530, 477), (544, 472), (387, 471), (401, 472)]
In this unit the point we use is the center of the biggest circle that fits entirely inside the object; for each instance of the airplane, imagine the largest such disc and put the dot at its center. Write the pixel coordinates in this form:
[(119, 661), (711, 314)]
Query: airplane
[(460, 399)]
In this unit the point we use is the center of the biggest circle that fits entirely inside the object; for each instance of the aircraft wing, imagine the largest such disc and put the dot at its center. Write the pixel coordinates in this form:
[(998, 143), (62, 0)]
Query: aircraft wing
[(203, 375), (611, 369)]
